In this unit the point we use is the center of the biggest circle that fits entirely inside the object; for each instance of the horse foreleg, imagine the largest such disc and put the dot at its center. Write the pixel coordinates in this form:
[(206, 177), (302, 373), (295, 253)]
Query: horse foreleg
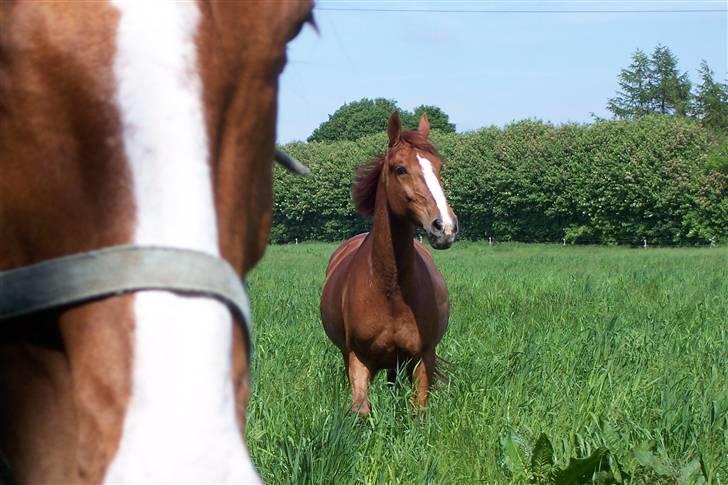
[(422, 376), (359, 377)]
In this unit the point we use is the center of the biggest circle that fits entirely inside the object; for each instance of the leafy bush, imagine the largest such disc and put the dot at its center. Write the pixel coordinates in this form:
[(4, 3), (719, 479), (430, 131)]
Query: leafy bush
[(609, 182), (369, 116), (355, 120), (718, 157)]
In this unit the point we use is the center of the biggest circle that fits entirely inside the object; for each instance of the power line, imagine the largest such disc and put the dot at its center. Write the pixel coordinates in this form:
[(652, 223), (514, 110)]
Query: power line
[(417, 10)]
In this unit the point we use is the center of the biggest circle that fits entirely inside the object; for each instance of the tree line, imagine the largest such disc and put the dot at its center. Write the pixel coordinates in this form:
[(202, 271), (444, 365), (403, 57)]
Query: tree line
[(368, 116), (657, 171), (651, 84), (611, 182), (654, 85)]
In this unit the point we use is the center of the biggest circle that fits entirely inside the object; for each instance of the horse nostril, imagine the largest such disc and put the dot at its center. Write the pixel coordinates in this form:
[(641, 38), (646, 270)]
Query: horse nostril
[(437, 225)]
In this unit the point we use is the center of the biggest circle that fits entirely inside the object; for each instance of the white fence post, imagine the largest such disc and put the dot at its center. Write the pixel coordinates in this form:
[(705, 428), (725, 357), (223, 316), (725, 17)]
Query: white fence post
[(645, 243)]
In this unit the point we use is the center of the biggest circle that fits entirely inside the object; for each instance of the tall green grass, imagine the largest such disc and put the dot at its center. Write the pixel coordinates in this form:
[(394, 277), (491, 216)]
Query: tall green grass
[(619, 348)]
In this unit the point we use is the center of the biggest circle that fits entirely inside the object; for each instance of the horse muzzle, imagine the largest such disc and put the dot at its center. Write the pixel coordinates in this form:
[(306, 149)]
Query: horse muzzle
[(442, 234)]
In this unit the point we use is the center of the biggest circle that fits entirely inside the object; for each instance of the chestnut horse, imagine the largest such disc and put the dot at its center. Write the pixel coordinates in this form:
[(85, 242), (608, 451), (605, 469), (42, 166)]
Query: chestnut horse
[(384, 302), (147, 123)]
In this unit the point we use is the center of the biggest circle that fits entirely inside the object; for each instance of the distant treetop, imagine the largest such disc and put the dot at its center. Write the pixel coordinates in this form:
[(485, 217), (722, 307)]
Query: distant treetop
[(368, 116), (654, 85)]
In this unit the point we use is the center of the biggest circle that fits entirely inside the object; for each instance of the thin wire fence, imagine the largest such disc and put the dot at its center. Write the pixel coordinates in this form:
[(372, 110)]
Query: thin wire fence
[(644, 243)]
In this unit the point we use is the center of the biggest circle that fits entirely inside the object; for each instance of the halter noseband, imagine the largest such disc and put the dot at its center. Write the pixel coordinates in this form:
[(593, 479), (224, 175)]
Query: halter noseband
[(118, 270), (123, 269)]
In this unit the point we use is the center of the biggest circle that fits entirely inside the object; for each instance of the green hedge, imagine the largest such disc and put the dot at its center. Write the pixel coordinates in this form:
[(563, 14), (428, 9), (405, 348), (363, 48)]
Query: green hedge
[(608, 182)]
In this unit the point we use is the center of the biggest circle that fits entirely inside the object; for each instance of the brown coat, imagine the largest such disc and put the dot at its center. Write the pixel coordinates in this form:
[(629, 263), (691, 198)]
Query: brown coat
[(384, 303)]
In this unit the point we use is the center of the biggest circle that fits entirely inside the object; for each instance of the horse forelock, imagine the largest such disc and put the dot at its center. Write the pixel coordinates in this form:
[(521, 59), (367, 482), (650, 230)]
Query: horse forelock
[(366, 180), (418, 141)]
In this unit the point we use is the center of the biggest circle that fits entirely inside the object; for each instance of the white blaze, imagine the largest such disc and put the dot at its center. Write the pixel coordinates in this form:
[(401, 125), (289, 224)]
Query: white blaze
[(181, 423), (436, 190)]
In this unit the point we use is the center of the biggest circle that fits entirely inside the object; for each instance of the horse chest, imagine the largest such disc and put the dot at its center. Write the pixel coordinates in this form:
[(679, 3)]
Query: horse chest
[(388, 333)]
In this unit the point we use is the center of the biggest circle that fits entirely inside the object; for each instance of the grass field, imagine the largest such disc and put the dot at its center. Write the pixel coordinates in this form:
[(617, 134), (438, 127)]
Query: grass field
[(619, 348)]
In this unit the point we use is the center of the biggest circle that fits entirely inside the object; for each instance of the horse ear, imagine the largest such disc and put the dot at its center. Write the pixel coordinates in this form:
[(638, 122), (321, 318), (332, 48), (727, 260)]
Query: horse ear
[(393, 128), (424, 126)]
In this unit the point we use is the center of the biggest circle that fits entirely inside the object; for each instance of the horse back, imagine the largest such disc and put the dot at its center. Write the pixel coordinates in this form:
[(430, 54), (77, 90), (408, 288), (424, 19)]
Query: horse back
[(347, 248)]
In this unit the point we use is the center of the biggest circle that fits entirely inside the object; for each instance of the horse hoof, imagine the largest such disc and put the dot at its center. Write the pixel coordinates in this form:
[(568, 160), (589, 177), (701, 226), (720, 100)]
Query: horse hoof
[(362, 409)]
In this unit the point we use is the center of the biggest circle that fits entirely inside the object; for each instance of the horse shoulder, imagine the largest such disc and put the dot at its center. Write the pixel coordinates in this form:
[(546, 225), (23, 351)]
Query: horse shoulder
[(429, 264), (438, 284)]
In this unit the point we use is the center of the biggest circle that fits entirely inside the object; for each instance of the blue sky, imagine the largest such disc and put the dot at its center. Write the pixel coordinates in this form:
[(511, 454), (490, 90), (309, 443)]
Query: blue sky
[(486, 68)]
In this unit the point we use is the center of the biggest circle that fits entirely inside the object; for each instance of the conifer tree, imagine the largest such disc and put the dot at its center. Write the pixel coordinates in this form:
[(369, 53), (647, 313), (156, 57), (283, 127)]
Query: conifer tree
[(711, 100), (669, 91), (633, 99)]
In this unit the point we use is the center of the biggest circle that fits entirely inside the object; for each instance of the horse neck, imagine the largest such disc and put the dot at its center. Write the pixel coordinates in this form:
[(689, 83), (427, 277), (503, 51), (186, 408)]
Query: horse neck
[(393, 246)]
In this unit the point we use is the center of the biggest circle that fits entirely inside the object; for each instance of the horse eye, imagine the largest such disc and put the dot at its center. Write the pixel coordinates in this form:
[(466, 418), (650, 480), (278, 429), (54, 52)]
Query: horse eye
[(401, 171)]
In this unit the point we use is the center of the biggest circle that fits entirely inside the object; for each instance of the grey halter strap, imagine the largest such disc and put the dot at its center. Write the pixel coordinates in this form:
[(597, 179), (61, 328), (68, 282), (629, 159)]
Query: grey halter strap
[(119, 270)]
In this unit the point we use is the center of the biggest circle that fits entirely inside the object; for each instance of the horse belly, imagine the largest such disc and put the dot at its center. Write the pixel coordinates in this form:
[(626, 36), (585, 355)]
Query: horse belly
[(332, 291), (330, 309)]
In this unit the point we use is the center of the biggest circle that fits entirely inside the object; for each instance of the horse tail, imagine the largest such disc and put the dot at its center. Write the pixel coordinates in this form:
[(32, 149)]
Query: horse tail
[(442, 370)]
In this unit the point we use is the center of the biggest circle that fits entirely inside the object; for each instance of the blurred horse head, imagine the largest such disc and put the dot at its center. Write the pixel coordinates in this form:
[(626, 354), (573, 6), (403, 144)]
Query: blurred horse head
[(144, 123)]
